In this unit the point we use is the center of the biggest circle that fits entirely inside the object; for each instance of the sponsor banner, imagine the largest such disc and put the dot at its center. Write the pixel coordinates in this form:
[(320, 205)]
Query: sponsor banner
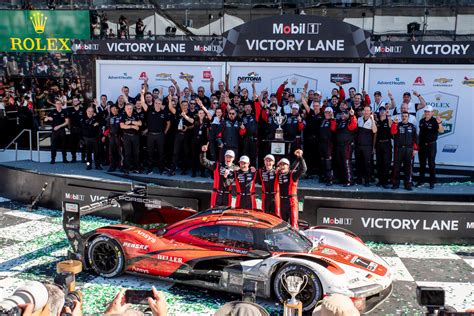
[(305, 36), (148, 48), (449, 89), (458, 49), (112, 75), (398, 225), (42, 31), (320, 77)]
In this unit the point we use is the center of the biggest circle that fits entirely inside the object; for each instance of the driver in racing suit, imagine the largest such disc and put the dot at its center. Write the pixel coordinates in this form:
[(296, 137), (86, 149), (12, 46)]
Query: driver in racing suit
[(268, 178), (245, 185), (288, 182), (223, 177)]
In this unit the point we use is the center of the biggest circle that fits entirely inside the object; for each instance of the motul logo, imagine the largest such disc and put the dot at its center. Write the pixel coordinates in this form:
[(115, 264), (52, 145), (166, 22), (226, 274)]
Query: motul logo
[(296, 28)]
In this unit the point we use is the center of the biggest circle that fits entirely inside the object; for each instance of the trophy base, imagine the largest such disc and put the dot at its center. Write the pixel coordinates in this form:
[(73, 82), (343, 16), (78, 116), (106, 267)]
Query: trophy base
[(293, 309)]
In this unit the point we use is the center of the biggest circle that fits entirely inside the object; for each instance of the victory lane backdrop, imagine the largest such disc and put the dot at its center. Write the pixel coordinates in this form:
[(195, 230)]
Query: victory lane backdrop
[(112, 75), (319, 76), (449, 89)]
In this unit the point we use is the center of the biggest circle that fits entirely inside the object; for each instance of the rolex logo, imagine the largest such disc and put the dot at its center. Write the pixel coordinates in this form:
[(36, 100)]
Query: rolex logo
[(39, 22)]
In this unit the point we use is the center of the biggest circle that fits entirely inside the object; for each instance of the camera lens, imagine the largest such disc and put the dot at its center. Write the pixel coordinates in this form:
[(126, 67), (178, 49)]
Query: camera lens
[(32, 292)]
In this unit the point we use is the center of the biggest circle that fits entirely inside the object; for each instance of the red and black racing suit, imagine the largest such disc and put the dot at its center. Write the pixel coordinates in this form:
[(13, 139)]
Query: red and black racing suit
[(404, 135), (270, 191), (288, 184), (345, 130), (222, 187), (245, 189)]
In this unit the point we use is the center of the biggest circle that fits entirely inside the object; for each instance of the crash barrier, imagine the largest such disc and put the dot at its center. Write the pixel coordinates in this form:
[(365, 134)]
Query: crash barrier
[(386, 217), (393, 221)]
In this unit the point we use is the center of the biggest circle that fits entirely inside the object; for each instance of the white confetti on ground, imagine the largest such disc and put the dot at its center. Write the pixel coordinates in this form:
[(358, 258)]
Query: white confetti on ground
[(400, 272), (424, 252), (29, 230), (25, 215)]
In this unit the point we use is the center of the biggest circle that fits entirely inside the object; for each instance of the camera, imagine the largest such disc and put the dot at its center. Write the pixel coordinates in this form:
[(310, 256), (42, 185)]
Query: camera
[(433, 299), (64, 280), (32, 292), (249, 291)]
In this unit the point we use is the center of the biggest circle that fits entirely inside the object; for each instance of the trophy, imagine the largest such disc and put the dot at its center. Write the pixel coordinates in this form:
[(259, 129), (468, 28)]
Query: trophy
[(280, 120), (293, 284)]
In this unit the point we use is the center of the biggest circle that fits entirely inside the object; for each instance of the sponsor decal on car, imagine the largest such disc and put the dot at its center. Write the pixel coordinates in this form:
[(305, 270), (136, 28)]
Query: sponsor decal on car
[(329, 251), (135, 246), (140, 270), (240, 251), (146, 236), (169, 258)]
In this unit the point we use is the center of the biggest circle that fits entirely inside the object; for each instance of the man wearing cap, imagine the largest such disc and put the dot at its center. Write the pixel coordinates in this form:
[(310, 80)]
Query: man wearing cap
[(412, 107), (60, 120), (345, 129), (294, 127), (365, 145), (314, 118), (383, 147), (268, 178), (430, 127), (288, 184), (404, 135), (245, 184), (328, 126), (290, 104), (378, 102), (223, 177)]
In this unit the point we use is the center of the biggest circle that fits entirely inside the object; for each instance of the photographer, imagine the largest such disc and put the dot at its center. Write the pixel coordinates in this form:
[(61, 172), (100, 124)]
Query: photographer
[(157, 304)]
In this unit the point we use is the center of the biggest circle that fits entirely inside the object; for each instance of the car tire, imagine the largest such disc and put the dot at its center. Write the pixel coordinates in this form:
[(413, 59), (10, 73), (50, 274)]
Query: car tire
[(310, 294), (106, 257)]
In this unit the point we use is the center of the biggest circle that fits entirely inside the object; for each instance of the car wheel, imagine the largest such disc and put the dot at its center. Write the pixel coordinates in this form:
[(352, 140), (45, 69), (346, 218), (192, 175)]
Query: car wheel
[(106, 257), (309, 295)]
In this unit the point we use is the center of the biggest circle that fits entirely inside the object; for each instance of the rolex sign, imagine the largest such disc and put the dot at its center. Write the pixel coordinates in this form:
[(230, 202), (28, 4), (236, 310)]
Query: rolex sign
[(42, 31)]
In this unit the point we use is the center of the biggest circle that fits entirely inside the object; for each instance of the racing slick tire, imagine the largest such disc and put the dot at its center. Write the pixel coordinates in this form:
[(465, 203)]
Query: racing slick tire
[(309, 295), (106, 257)]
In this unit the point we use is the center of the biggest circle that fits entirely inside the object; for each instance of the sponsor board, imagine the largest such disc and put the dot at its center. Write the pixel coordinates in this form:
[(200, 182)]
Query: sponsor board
[(342, 78), (445, 106), (122, 76), (388, 49), (419, 81), (401, 224), (442, 82), (450, 148), (73, 196), (296, 83), (251, 77), (468, 82), (395, 82)]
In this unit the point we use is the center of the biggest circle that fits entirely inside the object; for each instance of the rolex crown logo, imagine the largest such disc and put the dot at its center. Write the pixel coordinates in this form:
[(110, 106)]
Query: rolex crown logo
[(39, 22)]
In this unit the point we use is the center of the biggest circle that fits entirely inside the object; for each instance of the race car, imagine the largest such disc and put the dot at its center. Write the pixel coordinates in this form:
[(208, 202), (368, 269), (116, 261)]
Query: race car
[(229, 249)]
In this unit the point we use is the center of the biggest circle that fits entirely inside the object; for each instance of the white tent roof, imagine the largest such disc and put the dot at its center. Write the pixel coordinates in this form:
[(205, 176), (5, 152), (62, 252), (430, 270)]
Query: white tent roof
[(219, 26), (156, 23)]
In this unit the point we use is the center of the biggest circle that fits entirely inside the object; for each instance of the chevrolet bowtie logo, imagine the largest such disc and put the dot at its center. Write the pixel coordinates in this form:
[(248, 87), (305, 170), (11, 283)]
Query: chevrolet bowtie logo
[(39, 22)]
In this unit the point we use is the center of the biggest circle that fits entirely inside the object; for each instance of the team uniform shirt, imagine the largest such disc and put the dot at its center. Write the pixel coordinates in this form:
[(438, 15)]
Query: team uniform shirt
[(125, 118), (428, 131), (113, 125), (376, 106), (156, 121), (364, 132), (90, 127), (76, 117), (245, 189), (58, 118)]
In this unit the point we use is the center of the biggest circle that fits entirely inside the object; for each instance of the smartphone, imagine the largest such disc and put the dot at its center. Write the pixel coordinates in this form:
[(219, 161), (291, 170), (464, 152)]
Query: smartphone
[(138, 296)]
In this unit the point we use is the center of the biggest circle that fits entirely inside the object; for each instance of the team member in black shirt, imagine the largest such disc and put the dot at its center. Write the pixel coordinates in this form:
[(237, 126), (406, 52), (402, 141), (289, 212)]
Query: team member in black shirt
[(76, 115), (429, 128), (158, 125), (314, 118), (113, 133), (130, 125), (365, 145), (59, 120), (383, 147), (181, 151), (200, 137), (404, 135), (90, 134)]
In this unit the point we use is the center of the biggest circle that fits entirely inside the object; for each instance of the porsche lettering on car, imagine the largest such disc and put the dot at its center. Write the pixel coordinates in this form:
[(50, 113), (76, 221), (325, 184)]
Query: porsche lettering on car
[(223, 249)]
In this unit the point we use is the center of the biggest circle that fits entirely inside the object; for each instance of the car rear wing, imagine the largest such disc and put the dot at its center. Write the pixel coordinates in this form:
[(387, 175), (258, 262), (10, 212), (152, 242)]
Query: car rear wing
[(135, 207)]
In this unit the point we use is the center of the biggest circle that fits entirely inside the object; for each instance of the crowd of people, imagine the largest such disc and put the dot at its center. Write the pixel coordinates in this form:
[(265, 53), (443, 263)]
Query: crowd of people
[(151, 131), (101, 29)]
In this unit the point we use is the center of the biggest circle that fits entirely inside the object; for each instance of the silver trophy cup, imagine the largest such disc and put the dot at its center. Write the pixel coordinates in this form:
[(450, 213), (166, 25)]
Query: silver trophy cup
[(280, 120), (293, 284)]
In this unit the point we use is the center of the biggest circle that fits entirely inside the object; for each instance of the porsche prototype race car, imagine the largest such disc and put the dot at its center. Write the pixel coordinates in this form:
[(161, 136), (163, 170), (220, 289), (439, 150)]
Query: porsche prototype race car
[(226, 249)]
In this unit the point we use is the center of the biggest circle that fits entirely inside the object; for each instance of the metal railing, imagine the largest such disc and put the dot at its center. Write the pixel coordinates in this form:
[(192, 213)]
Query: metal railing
[(14, 141), (38, 140)]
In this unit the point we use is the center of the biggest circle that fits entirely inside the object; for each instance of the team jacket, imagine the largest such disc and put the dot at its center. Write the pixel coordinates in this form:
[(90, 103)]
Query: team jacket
[(345, 130), (404, 135), (245, 189), (270, 189)]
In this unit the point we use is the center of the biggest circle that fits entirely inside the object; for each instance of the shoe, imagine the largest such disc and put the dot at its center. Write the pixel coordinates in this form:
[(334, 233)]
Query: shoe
[(329, 183), (378, 184), (419, 184), (65, 161), (136, 171), (193, 175), (149, 171), (347, 184), (125, 172), (202, 175), (89, 167), (359, 181), (432, 186), (111, 169), (52, 162), (183, 172), (385, 186), (408, 188), (98, 168), (73, 160), (367, 184), (395, 187), (171, 173)]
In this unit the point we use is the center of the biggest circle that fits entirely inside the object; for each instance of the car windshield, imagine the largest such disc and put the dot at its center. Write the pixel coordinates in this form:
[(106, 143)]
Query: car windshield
[(282, 238)]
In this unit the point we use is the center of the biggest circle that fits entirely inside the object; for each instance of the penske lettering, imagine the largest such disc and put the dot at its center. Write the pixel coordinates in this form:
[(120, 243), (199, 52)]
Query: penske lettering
[(147, 47), (135, 246), (443, 49), (409, 224)]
